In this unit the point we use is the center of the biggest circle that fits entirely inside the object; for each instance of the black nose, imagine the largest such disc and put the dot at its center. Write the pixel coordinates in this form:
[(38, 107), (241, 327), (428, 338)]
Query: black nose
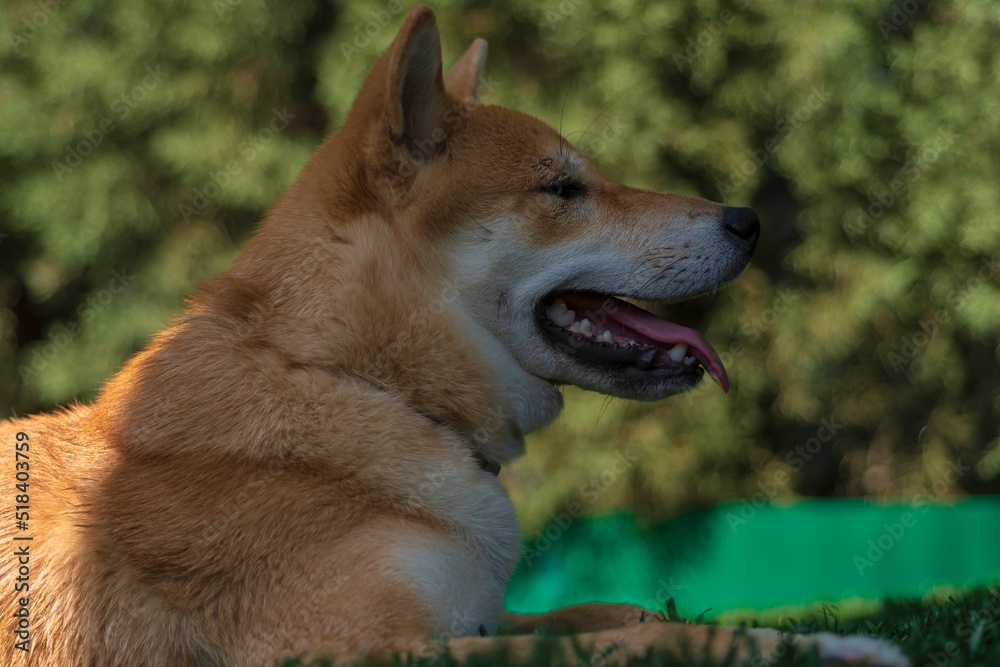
[(742, 222)]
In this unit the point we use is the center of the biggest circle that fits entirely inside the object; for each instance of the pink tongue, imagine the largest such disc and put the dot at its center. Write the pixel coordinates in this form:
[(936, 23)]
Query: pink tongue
[(600, 309)]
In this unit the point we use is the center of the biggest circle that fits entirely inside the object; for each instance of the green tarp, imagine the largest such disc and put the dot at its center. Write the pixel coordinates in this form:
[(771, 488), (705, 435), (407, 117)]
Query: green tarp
[(741, 556)]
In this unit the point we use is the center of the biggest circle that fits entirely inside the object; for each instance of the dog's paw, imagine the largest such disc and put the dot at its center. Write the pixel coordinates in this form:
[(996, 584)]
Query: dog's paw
[(836, 649)]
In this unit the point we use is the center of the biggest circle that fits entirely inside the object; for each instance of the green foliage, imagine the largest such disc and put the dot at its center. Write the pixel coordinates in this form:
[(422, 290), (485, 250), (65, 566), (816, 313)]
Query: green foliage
[(148, 139)]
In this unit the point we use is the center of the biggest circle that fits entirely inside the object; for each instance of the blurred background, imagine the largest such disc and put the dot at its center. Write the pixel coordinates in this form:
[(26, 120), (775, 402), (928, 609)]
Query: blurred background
[(140, 144)]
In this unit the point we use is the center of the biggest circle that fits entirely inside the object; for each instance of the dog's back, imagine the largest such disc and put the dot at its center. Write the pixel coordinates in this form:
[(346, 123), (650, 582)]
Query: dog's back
[(179, 521)]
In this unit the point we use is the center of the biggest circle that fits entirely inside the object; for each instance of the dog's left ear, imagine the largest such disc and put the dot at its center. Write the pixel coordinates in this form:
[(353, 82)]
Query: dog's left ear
[(464, 77), (416, 99)]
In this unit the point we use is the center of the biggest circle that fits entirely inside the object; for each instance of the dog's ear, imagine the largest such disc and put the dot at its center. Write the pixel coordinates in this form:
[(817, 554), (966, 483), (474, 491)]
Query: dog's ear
[(463, 79), (416, 100)]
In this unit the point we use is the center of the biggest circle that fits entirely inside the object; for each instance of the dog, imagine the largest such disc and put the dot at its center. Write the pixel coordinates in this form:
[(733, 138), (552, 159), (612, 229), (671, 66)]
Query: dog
[(304, 463)]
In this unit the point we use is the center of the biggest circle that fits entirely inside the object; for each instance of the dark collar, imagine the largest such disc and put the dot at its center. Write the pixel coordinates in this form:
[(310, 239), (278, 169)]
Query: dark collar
[(489, 466)]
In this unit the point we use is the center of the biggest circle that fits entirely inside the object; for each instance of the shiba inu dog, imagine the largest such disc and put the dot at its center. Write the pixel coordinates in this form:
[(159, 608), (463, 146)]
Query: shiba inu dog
[(305, 462)]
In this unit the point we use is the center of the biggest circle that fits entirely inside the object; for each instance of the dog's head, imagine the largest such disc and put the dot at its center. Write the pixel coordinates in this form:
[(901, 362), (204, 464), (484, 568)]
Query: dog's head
[(540, 247)]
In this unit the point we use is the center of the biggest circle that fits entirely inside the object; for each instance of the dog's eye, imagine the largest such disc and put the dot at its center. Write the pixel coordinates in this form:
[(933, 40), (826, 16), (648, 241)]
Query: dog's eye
[(563, 189)]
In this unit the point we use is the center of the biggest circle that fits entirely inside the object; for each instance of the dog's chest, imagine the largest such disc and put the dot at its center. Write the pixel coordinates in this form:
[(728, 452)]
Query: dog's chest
[(462, 572), (484, 516)]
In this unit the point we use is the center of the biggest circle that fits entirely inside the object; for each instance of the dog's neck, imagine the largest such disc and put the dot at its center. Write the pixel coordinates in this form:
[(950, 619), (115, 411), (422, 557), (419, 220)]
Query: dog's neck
[(525, 403), (358, 299)]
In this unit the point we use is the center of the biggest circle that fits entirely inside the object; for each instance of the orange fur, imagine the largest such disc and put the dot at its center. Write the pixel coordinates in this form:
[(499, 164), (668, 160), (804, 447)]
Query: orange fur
[(296, 465)]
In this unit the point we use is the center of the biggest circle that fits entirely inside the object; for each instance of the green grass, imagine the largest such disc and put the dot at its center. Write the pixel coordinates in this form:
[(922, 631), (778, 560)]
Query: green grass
[(962, 630)]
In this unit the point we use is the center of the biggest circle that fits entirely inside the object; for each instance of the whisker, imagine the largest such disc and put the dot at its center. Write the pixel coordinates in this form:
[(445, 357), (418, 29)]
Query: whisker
[(604, 407)]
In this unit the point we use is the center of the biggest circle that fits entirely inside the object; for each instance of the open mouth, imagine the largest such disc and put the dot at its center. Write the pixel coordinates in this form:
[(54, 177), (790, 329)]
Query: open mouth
[(606, 331)]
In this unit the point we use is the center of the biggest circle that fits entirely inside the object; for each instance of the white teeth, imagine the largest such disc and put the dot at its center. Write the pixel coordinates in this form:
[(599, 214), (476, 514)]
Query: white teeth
[(677, 352), (585, 328), (559, 314), (605, 338), (689, 360)]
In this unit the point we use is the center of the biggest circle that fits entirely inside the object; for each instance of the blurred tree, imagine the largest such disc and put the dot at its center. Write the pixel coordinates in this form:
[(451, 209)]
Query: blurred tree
[(140, 143)]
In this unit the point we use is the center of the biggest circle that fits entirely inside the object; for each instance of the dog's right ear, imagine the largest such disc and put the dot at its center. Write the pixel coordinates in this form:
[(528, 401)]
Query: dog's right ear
[(416, 101), (464, 77)]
